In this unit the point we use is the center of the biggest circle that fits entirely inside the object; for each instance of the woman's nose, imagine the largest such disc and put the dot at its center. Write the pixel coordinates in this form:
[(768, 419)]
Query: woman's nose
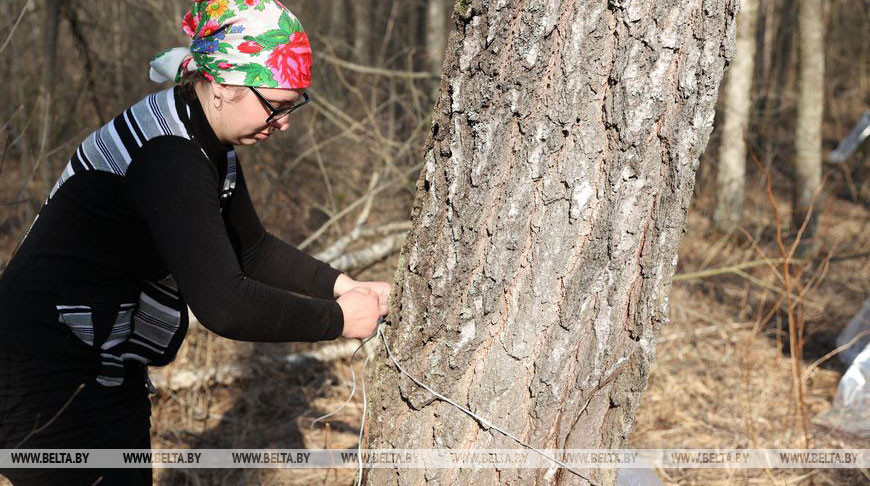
[(282, 124)]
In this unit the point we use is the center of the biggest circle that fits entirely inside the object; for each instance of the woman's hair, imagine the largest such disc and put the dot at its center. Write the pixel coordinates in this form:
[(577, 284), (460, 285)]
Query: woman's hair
[(188, 84), (192, 78)]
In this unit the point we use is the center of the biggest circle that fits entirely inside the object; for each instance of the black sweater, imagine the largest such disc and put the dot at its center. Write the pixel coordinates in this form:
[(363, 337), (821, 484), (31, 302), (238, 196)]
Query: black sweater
[(102, 233)]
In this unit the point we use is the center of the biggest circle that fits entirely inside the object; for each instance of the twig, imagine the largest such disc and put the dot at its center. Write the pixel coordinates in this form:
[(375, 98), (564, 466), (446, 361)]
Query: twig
[(770, 263), (354, 204), (729, 269), (85, 50), (761, 283), (371, 254), (795, 341), (334, 250), (3, 128), (701, 331), (717, 247), (292, 165), (834, 352), (367, 208), (13, 203), (329, 109), (3, 156), (319, 157), (15, 25), (390, 73)]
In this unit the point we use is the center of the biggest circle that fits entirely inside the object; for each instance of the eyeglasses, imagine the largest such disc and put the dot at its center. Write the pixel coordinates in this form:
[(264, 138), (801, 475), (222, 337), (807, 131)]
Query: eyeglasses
[(276, 114)]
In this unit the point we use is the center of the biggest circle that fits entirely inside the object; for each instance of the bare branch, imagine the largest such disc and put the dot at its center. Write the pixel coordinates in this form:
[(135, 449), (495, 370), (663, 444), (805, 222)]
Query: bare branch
[(344, 212), (371, 254), (334, 250), (390, 73), (15, 25)]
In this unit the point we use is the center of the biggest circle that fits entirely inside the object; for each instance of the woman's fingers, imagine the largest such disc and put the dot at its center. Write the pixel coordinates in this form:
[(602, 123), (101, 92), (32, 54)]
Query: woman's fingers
[(381, 289)]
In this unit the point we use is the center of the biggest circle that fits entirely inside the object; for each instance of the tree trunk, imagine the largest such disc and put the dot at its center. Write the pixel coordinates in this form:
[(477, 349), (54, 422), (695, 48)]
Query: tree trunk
[(361, 32), (46, 92), (555, 189), (777, 83), (731, 171), (436, 34), (808, 128), (338, 27)]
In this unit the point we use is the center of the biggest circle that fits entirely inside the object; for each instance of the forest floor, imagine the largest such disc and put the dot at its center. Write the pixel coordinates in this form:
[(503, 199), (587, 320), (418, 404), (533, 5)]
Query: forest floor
[(723, 373)]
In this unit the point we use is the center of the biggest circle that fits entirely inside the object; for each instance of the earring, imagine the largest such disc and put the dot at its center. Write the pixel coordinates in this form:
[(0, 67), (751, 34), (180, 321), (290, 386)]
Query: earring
[(219, 105)]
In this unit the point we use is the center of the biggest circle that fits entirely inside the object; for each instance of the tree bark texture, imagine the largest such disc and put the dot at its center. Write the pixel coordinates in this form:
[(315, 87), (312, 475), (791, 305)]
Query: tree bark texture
[(554, 193), (810, 107), (731, 170)]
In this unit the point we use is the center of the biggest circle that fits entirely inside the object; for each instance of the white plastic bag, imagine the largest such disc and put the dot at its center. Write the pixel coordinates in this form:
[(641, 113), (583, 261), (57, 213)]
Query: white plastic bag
[(860, 323), (853, 392), (851, 410)]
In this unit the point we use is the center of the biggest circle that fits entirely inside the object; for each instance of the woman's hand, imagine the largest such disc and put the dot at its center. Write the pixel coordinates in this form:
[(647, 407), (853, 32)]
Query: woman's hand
[(361, 309), (344, 283), (381, 289)]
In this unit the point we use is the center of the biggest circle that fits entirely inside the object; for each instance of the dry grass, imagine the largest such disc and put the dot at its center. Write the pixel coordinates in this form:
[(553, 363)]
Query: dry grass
[(723, 379)]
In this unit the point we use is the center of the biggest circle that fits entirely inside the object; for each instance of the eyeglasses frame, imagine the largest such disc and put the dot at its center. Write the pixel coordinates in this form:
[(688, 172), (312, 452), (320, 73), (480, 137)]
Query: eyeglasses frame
[(275, 114)]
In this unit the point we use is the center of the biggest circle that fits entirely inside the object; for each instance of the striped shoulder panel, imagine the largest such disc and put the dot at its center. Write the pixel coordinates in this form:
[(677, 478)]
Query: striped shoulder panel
[(111, 147)]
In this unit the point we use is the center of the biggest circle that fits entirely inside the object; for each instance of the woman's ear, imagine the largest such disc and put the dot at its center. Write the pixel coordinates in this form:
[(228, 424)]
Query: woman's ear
[(218, 93), (224, 92)]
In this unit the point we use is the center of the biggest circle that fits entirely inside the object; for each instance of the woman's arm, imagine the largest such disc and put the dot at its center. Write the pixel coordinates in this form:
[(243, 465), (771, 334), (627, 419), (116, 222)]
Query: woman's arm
[(174, 189), (273, 261), (268, 259)]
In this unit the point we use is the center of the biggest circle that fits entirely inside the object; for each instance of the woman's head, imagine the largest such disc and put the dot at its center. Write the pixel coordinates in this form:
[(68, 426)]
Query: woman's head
[(243, 115), (237, 44)]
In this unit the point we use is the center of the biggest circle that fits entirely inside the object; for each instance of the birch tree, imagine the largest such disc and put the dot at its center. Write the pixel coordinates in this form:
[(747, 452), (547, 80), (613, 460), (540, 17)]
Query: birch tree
[(555, 188), (731, 171), (808, 128), (361, 32)]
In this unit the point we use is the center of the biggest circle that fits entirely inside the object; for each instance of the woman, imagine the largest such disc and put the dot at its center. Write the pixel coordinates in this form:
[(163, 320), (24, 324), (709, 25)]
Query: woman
[(151, 214)]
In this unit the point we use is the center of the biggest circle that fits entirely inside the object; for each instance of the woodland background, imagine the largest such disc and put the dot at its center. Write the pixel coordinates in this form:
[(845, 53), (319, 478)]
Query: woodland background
[(725, 373)]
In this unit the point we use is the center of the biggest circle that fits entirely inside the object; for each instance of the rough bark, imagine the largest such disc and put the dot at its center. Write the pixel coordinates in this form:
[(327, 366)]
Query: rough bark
[(810, 106), (731, 170), (555, 189)]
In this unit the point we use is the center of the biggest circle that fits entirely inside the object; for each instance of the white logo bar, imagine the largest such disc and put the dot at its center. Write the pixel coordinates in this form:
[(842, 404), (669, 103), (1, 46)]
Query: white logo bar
[(435, 458)]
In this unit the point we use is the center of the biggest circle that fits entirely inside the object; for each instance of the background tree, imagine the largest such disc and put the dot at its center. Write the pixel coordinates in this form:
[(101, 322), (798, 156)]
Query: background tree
[(555, 189), (808, 129), (362, 23), (46, 92), (731, 170), (437, 12)]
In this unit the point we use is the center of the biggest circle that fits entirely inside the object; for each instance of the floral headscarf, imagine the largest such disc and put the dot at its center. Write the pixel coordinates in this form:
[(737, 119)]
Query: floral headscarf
[(245, 42)]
